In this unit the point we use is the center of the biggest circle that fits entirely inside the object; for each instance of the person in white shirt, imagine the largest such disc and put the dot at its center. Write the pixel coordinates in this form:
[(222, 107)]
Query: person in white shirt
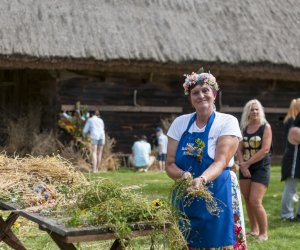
[(95, 127), (162, 143), (141, 157), (201, 148)]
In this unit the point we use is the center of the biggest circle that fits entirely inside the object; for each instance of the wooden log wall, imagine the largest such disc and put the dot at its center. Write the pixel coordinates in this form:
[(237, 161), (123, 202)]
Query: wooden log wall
[(25, 90), (22, 89), (275, 96), (162, 90), (125, 93)]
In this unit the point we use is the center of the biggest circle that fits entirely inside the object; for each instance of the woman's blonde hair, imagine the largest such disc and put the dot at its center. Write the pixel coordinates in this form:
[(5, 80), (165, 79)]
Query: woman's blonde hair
[(246, 112), (294, 109)]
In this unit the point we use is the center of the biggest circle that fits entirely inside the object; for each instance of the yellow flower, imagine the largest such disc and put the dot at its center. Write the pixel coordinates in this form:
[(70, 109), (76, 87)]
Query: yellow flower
[(157, 203), (70, 128), (16, 225)]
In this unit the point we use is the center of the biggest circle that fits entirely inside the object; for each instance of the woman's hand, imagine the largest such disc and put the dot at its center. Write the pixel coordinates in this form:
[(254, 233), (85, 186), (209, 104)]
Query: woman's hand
[(245, 172), (196, 184), (186, 175), (294, 135), (244, 167)]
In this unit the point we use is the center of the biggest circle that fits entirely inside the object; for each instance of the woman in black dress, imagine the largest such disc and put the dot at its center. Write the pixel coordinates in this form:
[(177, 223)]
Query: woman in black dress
[(290, 167), (254, 161)]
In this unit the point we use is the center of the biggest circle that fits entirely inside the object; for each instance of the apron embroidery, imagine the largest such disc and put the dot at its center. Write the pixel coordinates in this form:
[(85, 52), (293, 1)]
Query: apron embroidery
[(195, 151)]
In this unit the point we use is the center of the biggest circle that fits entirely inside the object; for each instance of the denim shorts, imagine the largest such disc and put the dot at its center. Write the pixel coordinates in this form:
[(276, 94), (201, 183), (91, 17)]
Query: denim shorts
[(98, 142), (162, 157)]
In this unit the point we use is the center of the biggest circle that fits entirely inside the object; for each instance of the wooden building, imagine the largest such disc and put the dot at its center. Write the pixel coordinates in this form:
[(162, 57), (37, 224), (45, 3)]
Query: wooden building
[(128, 58)]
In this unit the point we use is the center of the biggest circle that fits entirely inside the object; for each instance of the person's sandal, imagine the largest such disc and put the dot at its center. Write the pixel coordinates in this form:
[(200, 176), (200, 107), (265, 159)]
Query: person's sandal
[(251, 234), (262, 237)]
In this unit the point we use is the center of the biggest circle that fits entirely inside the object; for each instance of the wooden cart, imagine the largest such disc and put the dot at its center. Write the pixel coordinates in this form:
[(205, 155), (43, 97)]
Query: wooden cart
[(64, 237)]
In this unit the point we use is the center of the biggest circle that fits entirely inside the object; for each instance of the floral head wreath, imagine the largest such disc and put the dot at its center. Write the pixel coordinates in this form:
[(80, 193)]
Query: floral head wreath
[(201, 78)]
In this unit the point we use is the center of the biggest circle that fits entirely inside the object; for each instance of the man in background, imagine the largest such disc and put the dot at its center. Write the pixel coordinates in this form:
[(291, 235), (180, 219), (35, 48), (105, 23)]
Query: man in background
[(141, 157), (95, 126), (162, 142)]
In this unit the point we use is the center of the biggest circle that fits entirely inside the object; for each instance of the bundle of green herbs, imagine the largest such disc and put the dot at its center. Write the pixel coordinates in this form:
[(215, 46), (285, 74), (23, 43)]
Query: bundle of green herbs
[(107, 204), (180, 193)]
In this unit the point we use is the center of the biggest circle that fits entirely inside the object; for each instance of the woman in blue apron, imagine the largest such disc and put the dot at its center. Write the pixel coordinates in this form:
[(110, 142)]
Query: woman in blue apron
[(206, 162)]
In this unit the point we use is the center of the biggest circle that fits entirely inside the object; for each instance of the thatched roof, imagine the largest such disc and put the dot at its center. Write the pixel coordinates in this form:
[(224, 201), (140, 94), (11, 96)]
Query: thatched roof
[(158, 31)]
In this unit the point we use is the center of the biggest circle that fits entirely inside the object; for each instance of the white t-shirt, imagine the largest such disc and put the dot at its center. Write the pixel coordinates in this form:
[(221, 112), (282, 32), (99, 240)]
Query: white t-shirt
[(95, 126), (223, 124), (163, 141)]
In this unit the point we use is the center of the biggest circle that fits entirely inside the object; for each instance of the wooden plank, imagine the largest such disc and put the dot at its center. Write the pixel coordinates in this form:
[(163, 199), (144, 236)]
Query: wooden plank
[(6, 234), (106, 236), (69, 235), (268, 110), (5, 84), (6, 225), (60, 243), (12, 241), (117, 245), (114, 108)]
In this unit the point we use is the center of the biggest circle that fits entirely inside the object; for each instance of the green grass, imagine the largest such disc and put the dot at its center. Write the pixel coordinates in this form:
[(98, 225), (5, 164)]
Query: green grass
[(155, 185), (282, 234)]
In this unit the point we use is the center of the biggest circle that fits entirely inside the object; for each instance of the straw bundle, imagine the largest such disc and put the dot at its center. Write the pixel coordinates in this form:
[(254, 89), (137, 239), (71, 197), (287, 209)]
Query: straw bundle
[(54, 168), (36, 181)]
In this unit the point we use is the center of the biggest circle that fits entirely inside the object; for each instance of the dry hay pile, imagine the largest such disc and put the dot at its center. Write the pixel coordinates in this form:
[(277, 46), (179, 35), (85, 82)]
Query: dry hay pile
[(79, 152), (36, 183), (24, 137)]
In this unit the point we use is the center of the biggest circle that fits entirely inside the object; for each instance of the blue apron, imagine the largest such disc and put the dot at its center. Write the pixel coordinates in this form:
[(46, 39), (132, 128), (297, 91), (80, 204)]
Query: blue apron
[(205, 230)]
